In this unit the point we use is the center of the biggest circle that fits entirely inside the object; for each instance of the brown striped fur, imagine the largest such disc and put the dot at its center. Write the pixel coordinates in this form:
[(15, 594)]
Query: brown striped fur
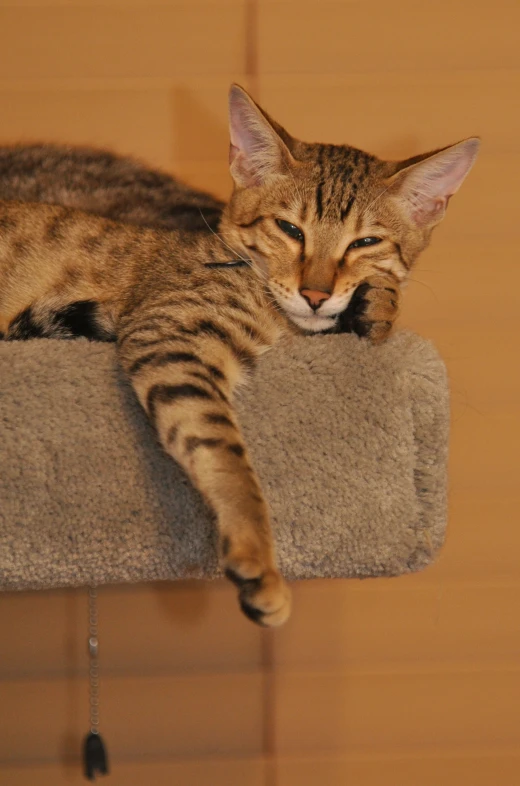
[(192, 309)]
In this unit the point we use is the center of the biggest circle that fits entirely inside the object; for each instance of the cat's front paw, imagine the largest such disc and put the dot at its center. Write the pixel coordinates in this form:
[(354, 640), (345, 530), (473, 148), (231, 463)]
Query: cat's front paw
[(263, 595), (372, 310)]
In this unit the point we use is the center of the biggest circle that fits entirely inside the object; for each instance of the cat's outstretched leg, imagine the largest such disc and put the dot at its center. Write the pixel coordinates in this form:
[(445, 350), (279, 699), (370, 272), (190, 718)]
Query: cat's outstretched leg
[(184, 382), (373, 309)]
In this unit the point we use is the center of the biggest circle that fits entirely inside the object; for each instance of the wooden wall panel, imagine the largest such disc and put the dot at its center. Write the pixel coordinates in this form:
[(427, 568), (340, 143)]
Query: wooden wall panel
[(124, 41), (142, 717), (482, 537), (423, 770), (457, 277), (397, 711), (100, 5), (213, 772), (355, 37), (136, 121), (474, 439), (396, 624)]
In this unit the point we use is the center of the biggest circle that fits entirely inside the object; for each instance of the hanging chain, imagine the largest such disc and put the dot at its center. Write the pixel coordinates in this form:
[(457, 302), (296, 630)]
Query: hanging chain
[(93, 654), (95, 759)]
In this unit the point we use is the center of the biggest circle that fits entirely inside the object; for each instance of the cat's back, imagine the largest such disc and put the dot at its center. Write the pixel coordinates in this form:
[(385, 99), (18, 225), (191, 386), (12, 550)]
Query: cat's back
[(104, 183)]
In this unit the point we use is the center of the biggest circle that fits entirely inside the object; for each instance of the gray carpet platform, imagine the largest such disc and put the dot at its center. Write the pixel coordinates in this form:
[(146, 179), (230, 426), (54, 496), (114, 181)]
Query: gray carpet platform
[(350, 442)]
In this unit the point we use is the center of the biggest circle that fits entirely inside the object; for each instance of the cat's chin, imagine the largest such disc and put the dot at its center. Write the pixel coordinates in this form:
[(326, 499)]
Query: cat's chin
[(313, 323)]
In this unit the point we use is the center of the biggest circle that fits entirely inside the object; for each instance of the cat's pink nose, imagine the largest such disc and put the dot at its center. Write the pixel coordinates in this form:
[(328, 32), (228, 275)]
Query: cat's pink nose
[(314, 297)]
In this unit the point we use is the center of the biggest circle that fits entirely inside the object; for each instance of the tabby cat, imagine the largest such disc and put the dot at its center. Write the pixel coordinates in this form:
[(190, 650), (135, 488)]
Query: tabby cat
[(315, 238)]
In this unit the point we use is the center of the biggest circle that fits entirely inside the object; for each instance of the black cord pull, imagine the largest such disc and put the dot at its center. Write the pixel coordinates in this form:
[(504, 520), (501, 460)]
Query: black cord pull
[(94, 756)]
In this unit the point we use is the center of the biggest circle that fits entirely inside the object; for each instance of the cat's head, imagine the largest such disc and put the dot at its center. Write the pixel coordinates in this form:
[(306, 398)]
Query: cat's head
[(319, 219)]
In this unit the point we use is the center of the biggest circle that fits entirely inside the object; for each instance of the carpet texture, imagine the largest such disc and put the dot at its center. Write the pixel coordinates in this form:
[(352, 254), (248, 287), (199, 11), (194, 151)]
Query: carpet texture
[(350, 442)]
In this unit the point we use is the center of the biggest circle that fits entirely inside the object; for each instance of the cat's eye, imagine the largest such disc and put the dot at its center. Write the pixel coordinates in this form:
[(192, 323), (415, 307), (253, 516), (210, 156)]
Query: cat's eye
[(363, 242), (290, 229)]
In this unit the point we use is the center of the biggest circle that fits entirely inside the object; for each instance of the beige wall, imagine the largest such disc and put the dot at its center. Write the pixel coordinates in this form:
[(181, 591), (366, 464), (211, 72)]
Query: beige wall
[(408, 682)]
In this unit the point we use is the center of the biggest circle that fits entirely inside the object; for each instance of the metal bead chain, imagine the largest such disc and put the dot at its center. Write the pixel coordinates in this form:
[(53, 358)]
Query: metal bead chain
[(93, 655)]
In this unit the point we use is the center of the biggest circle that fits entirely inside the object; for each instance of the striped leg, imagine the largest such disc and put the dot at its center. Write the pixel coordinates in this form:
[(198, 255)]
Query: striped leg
[(184, 383)]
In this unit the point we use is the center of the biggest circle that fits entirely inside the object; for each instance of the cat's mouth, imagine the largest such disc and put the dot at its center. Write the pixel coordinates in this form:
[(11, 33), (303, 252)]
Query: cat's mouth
[(313, 323), (320, 320), (297, 309)]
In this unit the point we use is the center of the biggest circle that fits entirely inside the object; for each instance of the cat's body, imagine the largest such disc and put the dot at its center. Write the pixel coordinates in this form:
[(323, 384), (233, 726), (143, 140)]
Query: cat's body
[(191, 309), (109, 185)]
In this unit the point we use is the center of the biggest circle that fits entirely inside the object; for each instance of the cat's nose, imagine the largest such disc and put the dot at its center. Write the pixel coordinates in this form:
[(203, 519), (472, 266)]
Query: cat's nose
[(314, 297)]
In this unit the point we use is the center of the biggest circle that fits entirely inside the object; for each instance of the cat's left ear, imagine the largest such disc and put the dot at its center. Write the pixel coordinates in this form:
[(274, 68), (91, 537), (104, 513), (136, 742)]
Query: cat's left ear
[(257, 151), (424, 187)]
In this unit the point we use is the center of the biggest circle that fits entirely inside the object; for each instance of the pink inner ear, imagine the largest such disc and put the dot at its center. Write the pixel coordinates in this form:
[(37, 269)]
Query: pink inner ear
[(233, 152), (428, 185), (426, 210), (256, 149), (245, 125)]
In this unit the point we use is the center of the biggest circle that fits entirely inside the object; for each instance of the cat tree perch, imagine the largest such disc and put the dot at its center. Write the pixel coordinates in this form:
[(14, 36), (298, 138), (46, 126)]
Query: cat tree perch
[(349, 441)]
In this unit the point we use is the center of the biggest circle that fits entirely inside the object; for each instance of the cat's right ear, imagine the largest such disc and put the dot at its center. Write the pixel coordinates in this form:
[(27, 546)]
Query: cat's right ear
[(256, 151), (424, 185)]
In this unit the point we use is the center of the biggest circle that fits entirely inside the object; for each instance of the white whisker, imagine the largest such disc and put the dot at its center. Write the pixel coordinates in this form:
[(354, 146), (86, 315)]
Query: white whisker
[(243, 259), (257, 269), (377, 197), (291, 174), (423, 284)]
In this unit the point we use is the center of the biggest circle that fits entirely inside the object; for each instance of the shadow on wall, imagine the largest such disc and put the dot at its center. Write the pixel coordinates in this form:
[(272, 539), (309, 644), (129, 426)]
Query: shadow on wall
[(183, 604), (200, 141)]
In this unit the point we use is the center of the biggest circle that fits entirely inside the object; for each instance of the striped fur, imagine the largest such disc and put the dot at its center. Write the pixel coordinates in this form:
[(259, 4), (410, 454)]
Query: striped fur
[(192, 309)]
